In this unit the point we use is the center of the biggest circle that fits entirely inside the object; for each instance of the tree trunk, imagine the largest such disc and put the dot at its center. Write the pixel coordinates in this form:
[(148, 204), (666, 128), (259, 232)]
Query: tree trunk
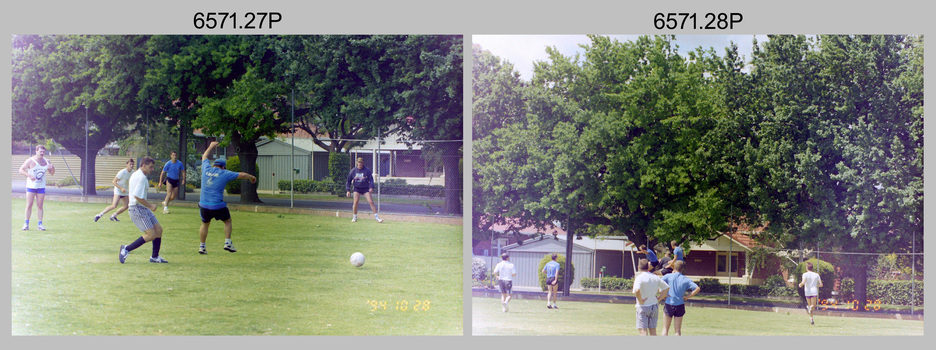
[(247, 152), (453, 179), (86, 178), (570, 237), (860, 274), (183, 155)]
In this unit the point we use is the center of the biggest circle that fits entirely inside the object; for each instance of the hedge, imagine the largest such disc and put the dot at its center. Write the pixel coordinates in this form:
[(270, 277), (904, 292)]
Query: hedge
[(609, 283), (826, 272), (306, 186), (889, 292), (770, 288)]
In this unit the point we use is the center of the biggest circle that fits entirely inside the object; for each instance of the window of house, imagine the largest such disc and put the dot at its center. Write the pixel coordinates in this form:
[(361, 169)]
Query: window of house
[(722, 264)]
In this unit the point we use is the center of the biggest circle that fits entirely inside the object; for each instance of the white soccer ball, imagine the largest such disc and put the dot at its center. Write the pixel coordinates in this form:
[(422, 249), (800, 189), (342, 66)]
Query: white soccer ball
[(357, 259)]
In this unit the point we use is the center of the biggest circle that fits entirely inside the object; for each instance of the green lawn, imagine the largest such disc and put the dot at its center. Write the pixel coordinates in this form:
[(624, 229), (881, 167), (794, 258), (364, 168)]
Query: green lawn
[(290, 276), (531, 317)]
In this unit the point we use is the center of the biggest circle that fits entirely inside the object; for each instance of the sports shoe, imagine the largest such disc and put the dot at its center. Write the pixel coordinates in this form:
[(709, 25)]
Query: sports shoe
[(97, 217), (158, 259), (555, 306), (122, 255), (354, 218), (202, 250), (230, 248), (41, 228), (379, 220), (165, 210), (113, 218), (25, 227), (549, 306)]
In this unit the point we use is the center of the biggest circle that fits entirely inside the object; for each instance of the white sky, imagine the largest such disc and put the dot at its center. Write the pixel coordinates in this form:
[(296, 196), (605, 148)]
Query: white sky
[(523, 50)]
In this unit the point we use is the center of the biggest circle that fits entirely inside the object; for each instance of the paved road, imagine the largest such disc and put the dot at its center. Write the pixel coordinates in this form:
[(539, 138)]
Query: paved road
[(344, 205)]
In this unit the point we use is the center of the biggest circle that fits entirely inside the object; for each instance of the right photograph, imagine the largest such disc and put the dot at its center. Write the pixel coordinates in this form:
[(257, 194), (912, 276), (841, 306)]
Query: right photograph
[(697, 185)]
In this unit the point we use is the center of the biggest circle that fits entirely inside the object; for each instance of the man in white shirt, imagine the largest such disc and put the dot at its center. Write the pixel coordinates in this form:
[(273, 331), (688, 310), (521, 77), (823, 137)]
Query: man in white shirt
[(811, 283), (141, 212), (504, 271), (649, 290)]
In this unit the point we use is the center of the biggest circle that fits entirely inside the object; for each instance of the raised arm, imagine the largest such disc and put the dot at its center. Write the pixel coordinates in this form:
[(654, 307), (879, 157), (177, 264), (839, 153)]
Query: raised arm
[(211, 148)]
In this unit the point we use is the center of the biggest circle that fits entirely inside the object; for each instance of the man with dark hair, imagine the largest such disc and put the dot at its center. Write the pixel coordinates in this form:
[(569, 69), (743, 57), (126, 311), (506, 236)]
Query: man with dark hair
[(504, 271), (552, 281), (173, 175), (651, 256), (649, 290), (35, 169), (141, 213), (675, 300), (811, 283), (677, 251), (211, 203)]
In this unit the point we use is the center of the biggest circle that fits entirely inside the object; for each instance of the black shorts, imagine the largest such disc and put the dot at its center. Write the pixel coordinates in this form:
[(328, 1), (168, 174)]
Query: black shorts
[(674, 310), (665, 271), (506, 287), (222, 214), (362, 190), (654, 264), (550, 280), (173, 182)]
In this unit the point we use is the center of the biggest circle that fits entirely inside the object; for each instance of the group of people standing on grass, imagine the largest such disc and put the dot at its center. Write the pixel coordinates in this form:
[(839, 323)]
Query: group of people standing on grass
[(657, 280)]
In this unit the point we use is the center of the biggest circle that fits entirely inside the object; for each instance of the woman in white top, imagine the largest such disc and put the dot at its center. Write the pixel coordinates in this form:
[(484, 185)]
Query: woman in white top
[(120, 192), (35, 169)]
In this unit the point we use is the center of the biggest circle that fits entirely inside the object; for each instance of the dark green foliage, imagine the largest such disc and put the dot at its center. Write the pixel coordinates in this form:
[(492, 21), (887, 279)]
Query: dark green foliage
[(826, 272), (339, 164), (609, 283), (775, 286), (711, 286), (562, 263), (306, 186)]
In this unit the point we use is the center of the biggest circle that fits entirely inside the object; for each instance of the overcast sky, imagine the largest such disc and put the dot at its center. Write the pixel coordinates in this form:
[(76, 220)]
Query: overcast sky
[(523, 50)]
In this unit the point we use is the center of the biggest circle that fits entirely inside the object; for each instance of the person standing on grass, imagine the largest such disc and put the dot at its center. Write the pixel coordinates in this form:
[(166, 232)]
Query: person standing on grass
[(649, 290), (552, 282), (211, 202), (361, 183), (35, 169), (676, 298), (120, 192), (141, 213), (504, 271), (173, 174), (811, 283)]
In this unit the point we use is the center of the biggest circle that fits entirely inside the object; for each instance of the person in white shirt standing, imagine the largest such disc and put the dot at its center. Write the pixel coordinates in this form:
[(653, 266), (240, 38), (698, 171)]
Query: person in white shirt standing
[(36, 168), (649, 290), (811, 283), (504, 271), (121, 183), (141, 212)]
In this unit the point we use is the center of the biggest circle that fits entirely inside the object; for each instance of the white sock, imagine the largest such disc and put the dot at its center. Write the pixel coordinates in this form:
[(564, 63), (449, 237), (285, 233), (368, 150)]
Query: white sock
[(227, 241)]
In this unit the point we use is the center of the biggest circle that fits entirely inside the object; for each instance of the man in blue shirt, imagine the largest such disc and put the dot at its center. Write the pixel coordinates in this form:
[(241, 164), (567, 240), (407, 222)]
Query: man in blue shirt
[(677, 252), (211, 202), (173, 175), (552, 282), (651, 256), (675, 300)]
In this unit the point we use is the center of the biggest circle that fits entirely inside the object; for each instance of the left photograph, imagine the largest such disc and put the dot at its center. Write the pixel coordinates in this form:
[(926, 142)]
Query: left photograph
[(237, 185)]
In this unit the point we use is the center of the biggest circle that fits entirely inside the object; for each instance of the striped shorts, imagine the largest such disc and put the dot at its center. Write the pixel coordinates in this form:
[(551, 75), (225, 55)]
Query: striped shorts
[(142, 217)]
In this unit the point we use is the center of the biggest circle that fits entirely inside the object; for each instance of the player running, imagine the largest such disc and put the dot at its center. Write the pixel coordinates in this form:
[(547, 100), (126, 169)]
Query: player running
[(362, 183), (120, 182), (141, 213), (35, 169), (173, 175), (811, 283), (505, 272)]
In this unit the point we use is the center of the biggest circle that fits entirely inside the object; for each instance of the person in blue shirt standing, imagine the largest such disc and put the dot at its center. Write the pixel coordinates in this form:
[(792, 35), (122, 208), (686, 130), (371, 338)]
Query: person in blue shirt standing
[(211, 202), (677, 252), (173, 175), (552, 282), (676, 299)]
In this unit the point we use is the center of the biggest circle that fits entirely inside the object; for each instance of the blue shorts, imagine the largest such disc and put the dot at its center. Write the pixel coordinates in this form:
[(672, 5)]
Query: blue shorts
[(36, 190)]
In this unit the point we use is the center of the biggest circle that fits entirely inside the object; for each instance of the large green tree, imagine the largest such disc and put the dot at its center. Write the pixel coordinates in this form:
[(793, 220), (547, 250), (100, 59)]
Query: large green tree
[(60, 82)]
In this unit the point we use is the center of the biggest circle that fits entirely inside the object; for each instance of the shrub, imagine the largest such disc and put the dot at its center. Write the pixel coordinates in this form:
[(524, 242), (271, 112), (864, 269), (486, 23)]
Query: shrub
[(609, 283), (826, 272), (478, 269), (896, 292), (339, 164), (305, 186), (67, 181), (775, 286), (561, 260), (847, 289), (711, 285)]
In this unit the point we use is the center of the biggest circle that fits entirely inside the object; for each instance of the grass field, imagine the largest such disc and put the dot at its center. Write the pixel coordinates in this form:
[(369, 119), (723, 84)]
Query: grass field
[(290, 276), (531, 317)]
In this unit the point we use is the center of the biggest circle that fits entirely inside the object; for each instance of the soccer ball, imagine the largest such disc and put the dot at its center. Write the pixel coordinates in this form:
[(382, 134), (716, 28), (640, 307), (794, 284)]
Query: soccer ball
[(357, 259)]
